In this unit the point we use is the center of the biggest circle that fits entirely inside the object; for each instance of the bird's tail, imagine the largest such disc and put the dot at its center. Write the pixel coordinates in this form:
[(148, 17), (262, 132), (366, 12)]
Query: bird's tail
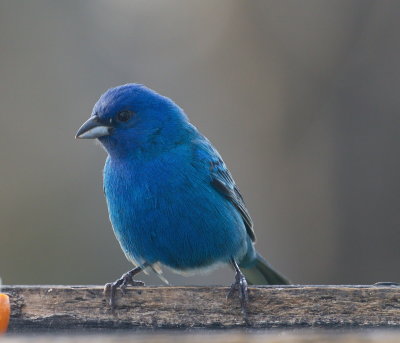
[(261, 273)]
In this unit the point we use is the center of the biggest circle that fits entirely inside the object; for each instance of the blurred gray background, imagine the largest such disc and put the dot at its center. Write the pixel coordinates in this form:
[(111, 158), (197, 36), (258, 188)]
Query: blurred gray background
[(301, 98)]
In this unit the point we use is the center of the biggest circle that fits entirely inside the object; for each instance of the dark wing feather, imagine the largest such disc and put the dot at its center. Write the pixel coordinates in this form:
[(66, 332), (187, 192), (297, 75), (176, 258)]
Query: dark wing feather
[(222, 181)]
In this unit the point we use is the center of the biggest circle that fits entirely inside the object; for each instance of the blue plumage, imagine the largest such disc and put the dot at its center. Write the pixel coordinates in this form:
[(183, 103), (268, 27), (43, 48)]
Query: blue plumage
[(171, 199)]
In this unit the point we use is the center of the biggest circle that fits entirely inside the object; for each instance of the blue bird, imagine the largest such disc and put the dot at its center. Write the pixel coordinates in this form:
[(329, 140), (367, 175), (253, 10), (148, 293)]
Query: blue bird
[(171, 199)]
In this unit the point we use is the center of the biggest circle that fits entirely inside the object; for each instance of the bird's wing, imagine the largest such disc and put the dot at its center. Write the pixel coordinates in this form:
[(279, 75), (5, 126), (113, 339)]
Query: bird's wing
[(222, 181)]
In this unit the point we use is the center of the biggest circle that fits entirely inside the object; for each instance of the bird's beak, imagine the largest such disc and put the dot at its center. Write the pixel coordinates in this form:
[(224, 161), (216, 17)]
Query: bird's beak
[(93, 128)]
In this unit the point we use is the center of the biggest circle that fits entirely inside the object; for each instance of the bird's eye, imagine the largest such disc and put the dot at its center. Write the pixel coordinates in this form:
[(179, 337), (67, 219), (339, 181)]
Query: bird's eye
[(124, 116)]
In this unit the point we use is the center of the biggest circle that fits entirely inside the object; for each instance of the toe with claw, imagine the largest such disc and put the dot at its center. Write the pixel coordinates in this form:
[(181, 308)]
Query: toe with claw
[(240, 285), (124, 281)]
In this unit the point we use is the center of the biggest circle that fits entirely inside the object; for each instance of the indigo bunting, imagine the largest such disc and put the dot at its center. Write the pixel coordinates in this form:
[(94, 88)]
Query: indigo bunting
[(171, 199)]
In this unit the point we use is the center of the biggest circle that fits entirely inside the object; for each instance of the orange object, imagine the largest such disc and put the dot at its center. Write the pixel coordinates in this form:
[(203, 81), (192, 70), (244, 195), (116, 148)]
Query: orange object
[(4, 312)]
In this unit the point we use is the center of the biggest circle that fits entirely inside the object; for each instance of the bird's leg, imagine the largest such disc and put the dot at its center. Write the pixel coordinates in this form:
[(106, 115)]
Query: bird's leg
[(240, 284), (124, 281)]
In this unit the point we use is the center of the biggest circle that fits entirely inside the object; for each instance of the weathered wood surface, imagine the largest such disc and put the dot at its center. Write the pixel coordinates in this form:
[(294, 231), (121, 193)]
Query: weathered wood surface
[(52, 308), (303, 336)]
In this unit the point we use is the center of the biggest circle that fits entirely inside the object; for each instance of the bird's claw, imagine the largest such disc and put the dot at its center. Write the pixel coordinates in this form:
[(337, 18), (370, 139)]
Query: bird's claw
[(124, 281), (129, 281), (240, 285)]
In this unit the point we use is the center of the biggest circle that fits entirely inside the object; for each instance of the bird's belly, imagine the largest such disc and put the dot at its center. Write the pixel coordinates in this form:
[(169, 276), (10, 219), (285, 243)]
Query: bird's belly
[(195, 230)]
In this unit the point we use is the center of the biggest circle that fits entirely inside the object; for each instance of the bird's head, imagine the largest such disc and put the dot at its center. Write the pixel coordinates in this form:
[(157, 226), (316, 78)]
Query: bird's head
[(132, 118)]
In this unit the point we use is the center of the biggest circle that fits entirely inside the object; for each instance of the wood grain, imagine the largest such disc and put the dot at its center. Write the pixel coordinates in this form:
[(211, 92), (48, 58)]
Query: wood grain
[(55, 308), (234, 336)]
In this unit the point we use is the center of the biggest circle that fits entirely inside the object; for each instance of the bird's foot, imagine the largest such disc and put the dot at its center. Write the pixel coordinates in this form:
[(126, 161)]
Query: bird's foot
[(124, 281), (240, 285)]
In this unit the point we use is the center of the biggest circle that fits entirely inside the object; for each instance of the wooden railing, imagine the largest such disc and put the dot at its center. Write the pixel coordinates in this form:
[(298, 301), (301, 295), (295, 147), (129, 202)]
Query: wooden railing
[(84, 308)]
